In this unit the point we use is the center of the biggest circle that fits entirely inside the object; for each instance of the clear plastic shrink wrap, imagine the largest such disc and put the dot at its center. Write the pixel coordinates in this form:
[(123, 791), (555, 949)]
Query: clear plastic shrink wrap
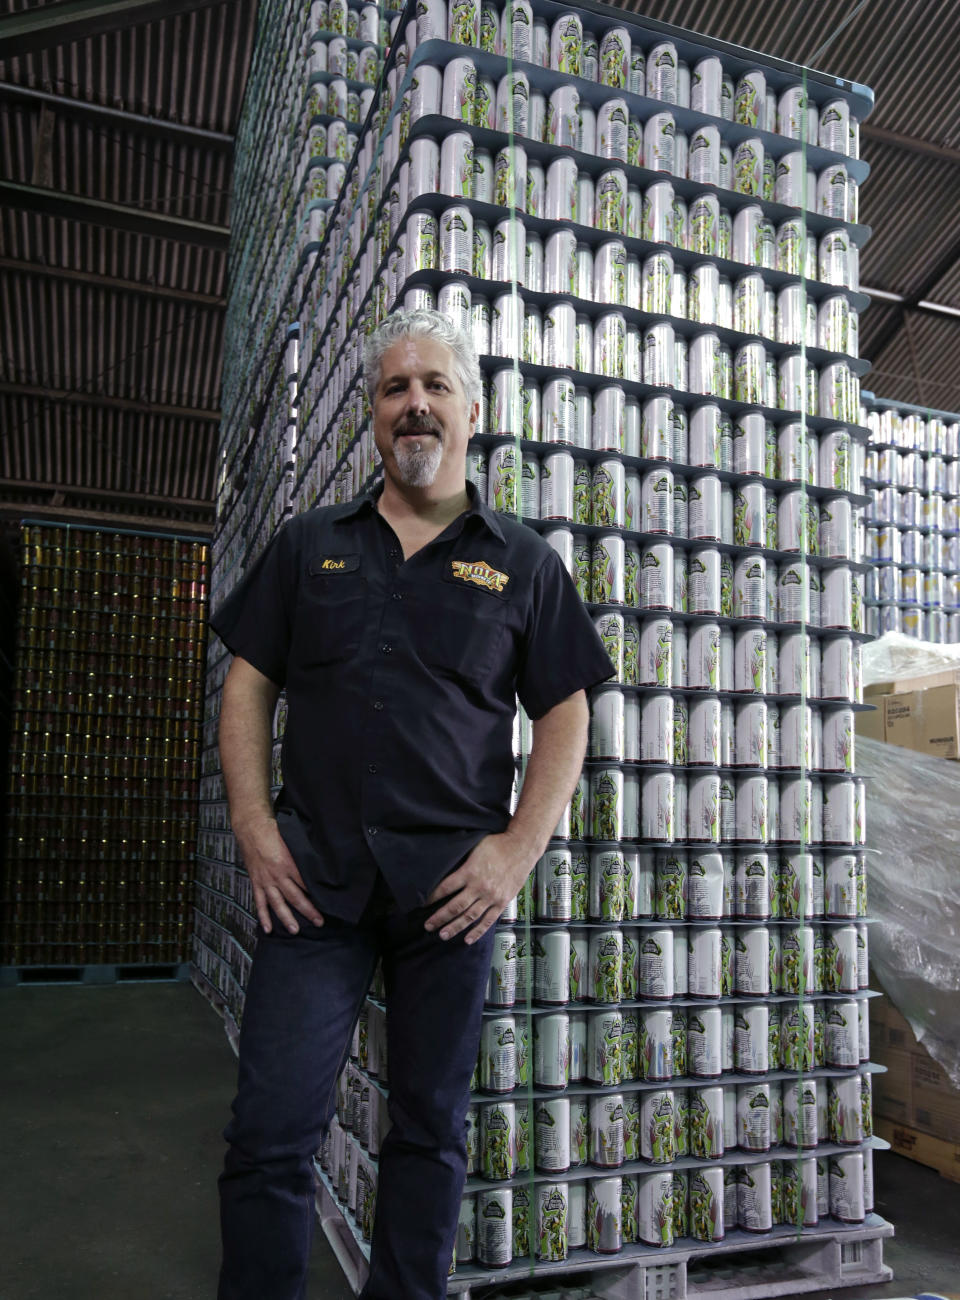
[(914, 826)]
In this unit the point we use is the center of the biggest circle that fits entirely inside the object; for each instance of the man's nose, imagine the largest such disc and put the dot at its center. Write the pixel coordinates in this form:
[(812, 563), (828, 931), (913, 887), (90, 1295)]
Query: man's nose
[(417, 399)]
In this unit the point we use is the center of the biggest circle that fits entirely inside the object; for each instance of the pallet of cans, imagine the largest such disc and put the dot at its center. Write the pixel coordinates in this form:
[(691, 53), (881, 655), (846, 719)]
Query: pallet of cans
[(912, 540), (654, 245), (617, 212), (106, 754)]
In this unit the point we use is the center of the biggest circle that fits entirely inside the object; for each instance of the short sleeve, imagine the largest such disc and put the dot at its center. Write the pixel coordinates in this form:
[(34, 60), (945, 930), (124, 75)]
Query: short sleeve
[(563, 652), (255, 621)]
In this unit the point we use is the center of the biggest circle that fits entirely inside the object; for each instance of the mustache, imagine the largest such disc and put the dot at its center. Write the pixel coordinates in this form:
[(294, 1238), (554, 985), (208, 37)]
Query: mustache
[(413, 425)]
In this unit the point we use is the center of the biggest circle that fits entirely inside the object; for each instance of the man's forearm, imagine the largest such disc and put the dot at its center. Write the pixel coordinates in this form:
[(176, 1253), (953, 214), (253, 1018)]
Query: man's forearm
[(559, 746), (246, 738)]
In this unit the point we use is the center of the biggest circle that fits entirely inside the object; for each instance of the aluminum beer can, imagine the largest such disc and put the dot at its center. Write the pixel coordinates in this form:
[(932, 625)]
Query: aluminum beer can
[(800, 1107), (656, 577), (657, 1134), (703, 809), (498, 1140), (606, 957), (705, 879), (560, 198), (842, 893), (613, 123), (552, 1238), (560, 259), (703, 658), (703, 743), (566, 44), (655, 976), (705, 1123), (498, 1057), (655, 1209), (495, 1228), (604, 1210), (704, 582), (658, 220), (502, 981), (842, 1035), (752, 961), (654, 667), (704, 965), (706, 1200), (755, 1197), (749, 587), (607, 901), (751, 1043), (656, 438), (607, 570), (704, 225), (554, 885), (754, 1126), (703, 362), (606, 1131), (606, 803), (704, 508), (751, 734)]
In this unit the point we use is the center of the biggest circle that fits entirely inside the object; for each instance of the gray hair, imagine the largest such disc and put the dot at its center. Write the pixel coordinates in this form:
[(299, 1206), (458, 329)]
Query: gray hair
[(422, 323)]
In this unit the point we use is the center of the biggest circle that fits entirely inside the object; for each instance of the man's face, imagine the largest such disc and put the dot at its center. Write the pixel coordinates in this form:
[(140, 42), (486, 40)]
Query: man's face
[(421, 420)]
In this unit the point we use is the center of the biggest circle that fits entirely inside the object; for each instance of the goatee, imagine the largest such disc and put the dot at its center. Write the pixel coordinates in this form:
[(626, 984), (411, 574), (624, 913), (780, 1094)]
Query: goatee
[(418, 464)]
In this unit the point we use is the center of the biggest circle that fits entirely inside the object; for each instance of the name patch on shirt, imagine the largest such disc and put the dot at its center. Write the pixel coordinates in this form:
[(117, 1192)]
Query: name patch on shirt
[(480, 574), (324, 564)]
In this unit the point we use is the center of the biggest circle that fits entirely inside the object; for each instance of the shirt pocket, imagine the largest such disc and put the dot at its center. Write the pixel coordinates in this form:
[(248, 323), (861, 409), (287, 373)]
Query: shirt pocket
[(460, 634), (329, 620)]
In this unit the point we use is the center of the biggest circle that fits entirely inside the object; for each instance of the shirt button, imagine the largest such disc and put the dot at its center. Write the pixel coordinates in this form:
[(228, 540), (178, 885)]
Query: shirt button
[(378, 705), (397, 596), (386, 649), (372, 830), (372, 768)]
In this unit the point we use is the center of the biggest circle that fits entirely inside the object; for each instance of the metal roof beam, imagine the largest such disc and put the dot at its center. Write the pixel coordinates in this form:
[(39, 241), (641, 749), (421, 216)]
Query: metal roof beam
[(910, 143), (108, 403), (118, 216), (62, 491), (64, 104), (48, 25), (201, 524), (137, 287), (913, 300)]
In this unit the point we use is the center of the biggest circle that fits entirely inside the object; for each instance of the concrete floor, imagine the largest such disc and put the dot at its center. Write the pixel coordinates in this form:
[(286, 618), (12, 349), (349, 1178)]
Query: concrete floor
[(114, 1100)]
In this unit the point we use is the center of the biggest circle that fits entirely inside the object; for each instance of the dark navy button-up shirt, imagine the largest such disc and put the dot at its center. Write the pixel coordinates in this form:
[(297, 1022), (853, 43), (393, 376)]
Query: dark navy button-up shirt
[(401, 679)]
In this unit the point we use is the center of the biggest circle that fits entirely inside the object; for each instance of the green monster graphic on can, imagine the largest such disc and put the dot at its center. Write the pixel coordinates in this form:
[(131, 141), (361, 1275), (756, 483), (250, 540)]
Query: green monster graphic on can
[(607, 985), (605, 810), (463, 22), (552, 1226), (660, 1132), (706, 1213)]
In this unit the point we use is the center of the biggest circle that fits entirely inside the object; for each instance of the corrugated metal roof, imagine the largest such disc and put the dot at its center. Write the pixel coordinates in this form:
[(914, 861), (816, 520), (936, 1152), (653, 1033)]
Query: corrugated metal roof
[(110, 372), (191, 67)]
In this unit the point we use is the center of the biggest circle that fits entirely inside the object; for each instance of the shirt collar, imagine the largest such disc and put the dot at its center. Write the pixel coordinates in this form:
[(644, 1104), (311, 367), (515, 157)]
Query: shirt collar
[(478, 509)]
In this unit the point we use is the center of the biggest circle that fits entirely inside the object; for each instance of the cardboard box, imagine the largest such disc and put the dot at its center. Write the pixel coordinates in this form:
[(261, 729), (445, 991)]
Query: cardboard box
[(919, 713), (915, 1092), (925, 720)]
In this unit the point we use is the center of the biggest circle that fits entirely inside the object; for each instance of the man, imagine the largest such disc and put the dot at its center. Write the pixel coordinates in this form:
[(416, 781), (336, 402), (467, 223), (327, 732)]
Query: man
[(403, 626)]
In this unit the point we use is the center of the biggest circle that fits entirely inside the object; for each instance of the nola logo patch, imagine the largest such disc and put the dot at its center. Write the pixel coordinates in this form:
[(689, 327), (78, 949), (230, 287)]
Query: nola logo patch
[(480, 574)]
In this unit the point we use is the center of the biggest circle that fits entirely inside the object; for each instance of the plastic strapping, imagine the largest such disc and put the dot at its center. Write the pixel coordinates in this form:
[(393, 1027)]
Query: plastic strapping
[(515, 254), (806, 805)]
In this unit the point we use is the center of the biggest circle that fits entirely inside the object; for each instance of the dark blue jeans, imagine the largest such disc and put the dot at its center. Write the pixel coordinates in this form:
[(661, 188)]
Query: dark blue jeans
[(303, 999)]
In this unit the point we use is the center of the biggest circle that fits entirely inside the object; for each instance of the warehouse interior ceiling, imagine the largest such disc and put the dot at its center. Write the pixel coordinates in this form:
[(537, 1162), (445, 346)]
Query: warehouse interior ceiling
[(117, 120)]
